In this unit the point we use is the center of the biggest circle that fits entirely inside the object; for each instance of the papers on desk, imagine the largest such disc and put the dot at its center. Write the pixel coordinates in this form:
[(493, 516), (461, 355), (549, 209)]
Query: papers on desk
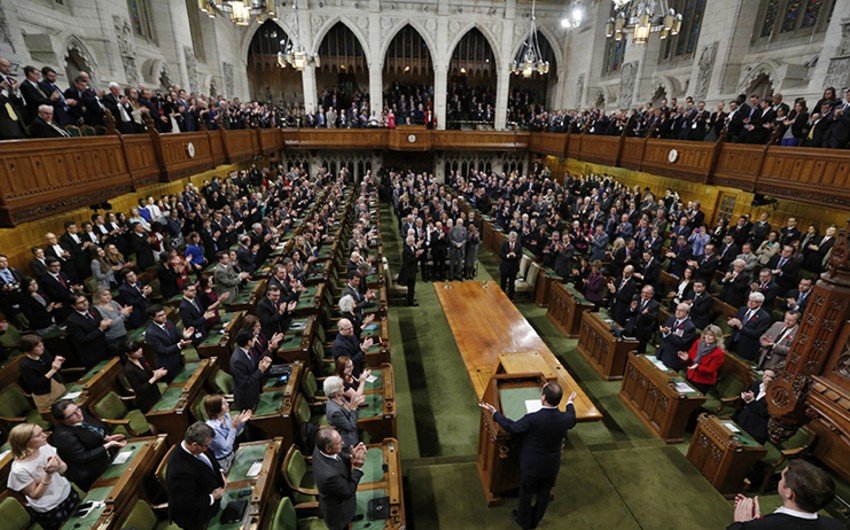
[(4, 454), (298, 325), (533, 405), (371, 379), (371, 327), (731, 426), (656, 362), (255, 468), (122, 457), (73, 395), (683, 388)]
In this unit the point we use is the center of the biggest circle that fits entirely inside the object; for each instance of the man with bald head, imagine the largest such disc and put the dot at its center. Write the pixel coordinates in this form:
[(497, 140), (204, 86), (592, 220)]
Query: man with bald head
[(677, 334), (43, 125), (346, 344), (622, 293)]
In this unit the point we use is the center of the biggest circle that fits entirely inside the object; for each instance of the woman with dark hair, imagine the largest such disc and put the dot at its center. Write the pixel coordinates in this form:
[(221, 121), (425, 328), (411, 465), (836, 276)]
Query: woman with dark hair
[(40, 313), (225, 427), (195, 253), (142, 378), (39, 372), (352, 386)]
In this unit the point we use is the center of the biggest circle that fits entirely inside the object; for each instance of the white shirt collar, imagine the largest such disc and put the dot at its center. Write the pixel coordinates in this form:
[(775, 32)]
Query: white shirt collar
[(332, 457), (796, 513)]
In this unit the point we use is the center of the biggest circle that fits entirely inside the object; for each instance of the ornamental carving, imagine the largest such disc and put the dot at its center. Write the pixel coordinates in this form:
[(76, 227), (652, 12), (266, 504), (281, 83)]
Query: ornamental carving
[(628, 75), (227, 68), (579, 91), (388, 23), (706, 65), (191, 68), (361, 22), (844, 46), (126, 49)]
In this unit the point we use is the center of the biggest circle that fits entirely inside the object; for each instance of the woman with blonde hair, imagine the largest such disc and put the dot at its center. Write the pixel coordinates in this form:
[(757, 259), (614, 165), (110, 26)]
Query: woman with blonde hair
[(225, 427), (37, 473), (705, 359)]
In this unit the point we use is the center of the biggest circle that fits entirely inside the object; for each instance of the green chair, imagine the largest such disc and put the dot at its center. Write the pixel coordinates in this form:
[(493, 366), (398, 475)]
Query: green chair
[(778, 455), (73, 130), (223, 382), (723, 398), (305, 412), (162, 468), (14, 515), (16, 407), (88, 130), (111, 410), (142, 517), (198, 409), (285, 518), (11, 339), (299, 478), (310, 387)]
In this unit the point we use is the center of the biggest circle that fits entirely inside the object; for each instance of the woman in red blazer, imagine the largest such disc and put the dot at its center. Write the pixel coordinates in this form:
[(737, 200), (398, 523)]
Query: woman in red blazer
[(705, 359)]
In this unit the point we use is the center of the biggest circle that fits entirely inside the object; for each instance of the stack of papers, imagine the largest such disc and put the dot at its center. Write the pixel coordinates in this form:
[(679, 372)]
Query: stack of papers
[(255, 468), (533, 405), (731, 426), (122, 457), (73, 395), (683, 388)]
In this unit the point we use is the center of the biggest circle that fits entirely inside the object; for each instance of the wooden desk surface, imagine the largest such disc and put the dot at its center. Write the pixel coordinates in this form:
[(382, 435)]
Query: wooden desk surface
[(486, 324)]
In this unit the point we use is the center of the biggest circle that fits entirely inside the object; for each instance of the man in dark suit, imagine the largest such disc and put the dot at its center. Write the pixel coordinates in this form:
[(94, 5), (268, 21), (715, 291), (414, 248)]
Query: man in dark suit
[(83, 442), (275, 316), (352, 288), (32, 92), (540, 458), (700, 302), (797, 299), (86, 328), (766, 286), (139, 245), (650, 271), (622, 294), (407, 275), (87, 109), (346, 344), (58, 289), (133, 293), (705, 266), (248, 376), (643, 313), (246, 257), (166, 342), (43, 125), (337, 476), (748, 326), (785, 268), (804, 490), (677, 334), (194, 481), (729, 250), (60, 106), (509, 258), (736, 285), (194, 314)]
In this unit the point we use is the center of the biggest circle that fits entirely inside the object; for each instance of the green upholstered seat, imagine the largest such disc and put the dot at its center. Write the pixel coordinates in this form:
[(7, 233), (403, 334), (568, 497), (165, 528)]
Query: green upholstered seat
[(223, 382), (142, 517), (299, 477), (111, 410), (14, 515), (309, 385), (190, 355), (285, 518), (727, 386), (15, 407)]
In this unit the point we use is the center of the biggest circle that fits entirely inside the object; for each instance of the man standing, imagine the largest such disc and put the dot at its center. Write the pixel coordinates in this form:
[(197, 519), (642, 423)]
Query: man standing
[(457, 240), (166, 342), (195, 482), (677, 334), (540, 457), (509, 259), (407, 274), (345, 344), (248, 376), (337, 477), (748, 325)]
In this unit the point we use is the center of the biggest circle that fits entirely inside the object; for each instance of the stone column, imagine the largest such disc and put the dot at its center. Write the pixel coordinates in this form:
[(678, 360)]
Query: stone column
[(440, 81), (503, 83), (376, 87), (308, 78)]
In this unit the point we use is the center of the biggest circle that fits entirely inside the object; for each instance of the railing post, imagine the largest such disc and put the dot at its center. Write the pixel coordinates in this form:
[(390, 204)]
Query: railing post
[(157, 146)]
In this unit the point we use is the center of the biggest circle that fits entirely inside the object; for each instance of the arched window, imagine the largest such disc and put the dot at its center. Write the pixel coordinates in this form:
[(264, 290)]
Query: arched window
[(684, 44), (787, 19), (615, 51), (140, 16)]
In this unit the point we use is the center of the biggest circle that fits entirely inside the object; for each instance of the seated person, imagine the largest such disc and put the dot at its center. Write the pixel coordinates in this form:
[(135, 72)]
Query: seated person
[(83, 442), (39, 372), (704, 359), (142, 378), (226, 429), (36, 473), (753, 415), (776, 341), (342, 413), (804, 490), (352, 386), (347, 344)]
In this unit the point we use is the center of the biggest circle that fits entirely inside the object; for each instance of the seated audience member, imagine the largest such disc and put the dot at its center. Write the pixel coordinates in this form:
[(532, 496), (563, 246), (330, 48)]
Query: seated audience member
[(38, 311), (735, 284), (43, 125), (37, 473), (347, 344), (683, 289), (248, 374), (225, 427), (337, 474), (194, 480), (342, 413), (39, 372), (753, 415), (109, 309), (352, 386), (88, 332), (83, 442), (748, 325), (348, 310), (142, 378), (804, 490), (677, 335), (704, 359), (776, 341), (797, 299), (166, 342)]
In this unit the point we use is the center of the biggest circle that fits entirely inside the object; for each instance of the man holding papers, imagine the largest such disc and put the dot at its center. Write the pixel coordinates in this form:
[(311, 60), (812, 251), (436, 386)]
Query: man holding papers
[(540, 458)]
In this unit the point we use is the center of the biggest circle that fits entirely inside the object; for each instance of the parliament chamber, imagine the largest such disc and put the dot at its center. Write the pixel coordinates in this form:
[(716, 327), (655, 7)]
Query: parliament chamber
[(298, 265)]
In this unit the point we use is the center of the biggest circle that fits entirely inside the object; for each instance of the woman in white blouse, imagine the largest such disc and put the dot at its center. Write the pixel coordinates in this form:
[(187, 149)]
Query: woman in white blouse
[(37, 473), (683, 289)]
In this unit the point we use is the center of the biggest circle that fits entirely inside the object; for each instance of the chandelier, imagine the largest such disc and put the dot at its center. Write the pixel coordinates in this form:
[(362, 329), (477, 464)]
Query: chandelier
[(532, 60), (643, 18), (241, 12), (292, 52)]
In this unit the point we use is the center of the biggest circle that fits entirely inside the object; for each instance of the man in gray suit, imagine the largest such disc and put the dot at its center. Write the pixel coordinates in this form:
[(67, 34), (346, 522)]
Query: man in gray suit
[(226, 278), (776, 341), (336, 477), (599, 244), (457, 247)]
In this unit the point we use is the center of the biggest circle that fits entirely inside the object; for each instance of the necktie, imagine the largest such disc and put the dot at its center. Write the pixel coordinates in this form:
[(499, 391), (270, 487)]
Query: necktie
[(678, 322), (88, 315), (782, 262), (748, 316), (781, 336), (7, 276), (61, 281)]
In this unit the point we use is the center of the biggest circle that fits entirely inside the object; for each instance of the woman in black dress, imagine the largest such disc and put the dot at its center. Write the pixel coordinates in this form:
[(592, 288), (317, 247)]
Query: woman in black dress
[(39, 372), (142, 377)]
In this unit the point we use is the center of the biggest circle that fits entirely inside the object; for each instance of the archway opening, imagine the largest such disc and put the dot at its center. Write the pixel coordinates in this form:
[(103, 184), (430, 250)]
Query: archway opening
[(471, 89), (531, 95), (75, 63), (267, 81), (408, 76), (342, 81)]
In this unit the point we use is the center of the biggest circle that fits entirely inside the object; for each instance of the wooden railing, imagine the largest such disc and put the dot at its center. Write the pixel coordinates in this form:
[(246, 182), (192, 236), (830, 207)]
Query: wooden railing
[(46, 176)]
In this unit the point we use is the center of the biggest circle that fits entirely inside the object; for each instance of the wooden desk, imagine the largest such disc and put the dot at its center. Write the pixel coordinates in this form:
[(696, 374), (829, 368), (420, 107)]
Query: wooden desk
[(566, 307), (723, 455), (651, 394), (93, 385), (606, 352), (382, 478), (378, 415), (219, 342), (275, 413), (485, 324), (171, 415), (297, 345), (546, 278)]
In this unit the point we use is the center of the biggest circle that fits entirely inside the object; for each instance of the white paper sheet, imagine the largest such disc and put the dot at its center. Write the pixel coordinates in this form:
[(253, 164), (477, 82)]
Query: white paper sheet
[(533, 405), (371, 379), (731, 426), (683, 388), (122, 457), (73, 395), (255, 468)]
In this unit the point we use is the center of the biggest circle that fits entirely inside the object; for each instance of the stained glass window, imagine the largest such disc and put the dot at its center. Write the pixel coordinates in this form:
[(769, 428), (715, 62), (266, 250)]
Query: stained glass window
[(793, 18), (770, 13), (139, 11), (810, 15), (792, 14), (685, 43), (614, 54)]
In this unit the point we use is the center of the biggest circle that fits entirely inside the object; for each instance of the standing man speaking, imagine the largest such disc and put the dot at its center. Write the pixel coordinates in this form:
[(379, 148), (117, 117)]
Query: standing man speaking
[(540, 457)]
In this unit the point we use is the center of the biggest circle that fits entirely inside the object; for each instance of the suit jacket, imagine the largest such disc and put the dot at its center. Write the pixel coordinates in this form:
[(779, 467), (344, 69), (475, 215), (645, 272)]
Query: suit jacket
[(771, 356), (34, 97), (270, 318), (132, 296), (679, 339), (141, 247), (599, 246), (770, 292), (247, 380), (745, 341), (41, 129), (337, 483), (753, 416), (345, 422), (544, 432), (226, 280), (642, 322), (700, 309), (164, 344), (651, 272), (193, 316), (707, 266), (348, 346), (82, 449), (621, 299), (795, 294), (735, 291), (247, 259), (88, 340), (510, 265), (190, 482), (787, 278), (147, 394), (11, 119), (782, 521)]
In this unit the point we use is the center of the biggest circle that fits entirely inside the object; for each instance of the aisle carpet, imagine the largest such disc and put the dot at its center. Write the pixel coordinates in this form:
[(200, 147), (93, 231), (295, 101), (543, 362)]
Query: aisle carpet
[(615, 473)]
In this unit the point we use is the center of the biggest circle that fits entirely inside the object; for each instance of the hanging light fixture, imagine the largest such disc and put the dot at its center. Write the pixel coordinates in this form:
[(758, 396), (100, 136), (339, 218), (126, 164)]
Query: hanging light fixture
[(240, 12), (292, 52), (531, 59), (643, 18), (573, 18)]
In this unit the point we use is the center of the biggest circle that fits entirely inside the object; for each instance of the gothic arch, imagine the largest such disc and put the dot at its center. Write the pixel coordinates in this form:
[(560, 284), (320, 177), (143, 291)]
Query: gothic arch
[(491, 40), (330, 23), (670, 85), (766, 69), (418, 28), (73, 45), (248, 36), (550, 37)]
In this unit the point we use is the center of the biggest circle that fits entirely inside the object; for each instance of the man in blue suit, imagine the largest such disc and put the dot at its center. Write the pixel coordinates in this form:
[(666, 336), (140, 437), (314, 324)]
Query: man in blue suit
[(540, 457), (748, 325)]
